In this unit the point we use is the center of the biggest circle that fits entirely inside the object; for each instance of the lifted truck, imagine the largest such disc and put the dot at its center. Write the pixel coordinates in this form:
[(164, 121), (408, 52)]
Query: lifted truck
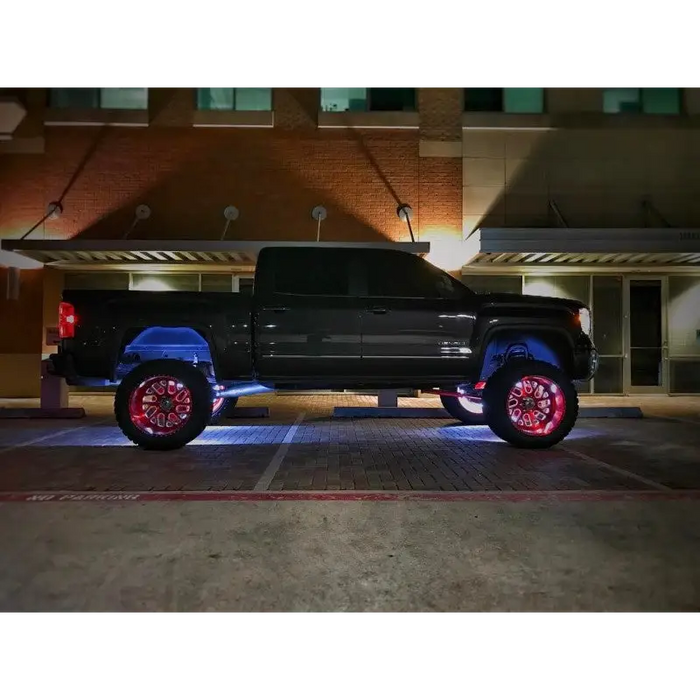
[(323, 317)]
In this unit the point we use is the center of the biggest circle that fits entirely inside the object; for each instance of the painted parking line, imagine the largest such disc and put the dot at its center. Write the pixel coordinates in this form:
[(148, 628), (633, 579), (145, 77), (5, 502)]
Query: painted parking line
[(276, 461), (51, 434), (387, 496), (616, 470)]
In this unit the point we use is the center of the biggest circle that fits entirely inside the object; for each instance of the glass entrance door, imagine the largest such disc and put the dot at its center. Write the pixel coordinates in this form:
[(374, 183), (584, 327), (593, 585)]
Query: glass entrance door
[(646, 351)]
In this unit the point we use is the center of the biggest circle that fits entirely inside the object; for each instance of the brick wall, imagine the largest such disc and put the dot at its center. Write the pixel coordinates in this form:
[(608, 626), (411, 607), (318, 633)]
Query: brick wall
[(441, 113), (187, 176)]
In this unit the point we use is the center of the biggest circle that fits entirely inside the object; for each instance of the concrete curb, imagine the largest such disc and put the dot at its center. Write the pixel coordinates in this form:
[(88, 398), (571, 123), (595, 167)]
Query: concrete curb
[(376, 412), (75, 412)]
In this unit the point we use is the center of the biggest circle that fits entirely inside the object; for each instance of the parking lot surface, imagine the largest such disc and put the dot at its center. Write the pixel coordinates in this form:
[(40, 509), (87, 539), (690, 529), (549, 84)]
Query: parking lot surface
[(301, 448), (441, 516)]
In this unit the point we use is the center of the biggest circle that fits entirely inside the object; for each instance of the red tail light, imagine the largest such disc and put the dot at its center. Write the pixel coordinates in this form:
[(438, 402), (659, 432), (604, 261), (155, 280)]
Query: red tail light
[(66, 320)]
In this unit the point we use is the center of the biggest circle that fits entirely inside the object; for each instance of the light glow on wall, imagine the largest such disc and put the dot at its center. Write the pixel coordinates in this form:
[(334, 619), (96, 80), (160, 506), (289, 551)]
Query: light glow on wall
[(151, 284), (447, 249)]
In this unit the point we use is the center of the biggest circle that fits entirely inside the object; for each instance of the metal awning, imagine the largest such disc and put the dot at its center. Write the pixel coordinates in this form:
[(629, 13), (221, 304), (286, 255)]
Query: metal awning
[(134, 254), (587, 247)]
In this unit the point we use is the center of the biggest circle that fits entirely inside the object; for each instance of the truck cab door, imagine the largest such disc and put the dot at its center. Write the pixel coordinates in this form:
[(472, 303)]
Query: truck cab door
[(417, 320), (307, 324)]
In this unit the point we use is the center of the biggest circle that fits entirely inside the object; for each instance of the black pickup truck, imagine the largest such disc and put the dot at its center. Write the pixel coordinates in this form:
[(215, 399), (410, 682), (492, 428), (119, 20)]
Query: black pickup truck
[(330, 317)]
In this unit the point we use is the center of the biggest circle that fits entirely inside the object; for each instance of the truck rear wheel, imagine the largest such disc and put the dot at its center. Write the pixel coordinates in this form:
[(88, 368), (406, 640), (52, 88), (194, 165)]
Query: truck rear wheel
[(531, 404), (163, 404), (464, 410)]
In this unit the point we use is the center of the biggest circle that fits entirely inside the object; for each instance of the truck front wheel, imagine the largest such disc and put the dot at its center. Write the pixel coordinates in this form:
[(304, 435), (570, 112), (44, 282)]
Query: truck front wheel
[(163, 404), (529, 403)]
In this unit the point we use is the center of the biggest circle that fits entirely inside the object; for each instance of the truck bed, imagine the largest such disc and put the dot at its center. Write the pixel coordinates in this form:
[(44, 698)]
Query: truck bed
[(109, 321)]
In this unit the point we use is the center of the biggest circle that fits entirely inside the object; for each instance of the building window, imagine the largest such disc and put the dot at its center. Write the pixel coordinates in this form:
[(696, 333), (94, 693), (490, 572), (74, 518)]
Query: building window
[(99, 98), (238, 99), (509, 100), (642, 101), (368, 99)]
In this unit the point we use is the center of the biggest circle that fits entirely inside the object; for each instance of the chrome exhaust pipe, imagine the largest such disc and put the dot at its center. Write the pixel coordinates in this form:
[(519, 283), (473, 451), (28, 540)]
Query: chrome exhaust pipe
[(243, 389)]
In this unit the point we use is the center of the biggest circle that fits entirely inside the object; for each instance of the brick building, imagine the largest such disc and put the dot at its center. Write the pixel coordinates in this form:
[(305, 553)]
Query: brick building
[(590, 193)]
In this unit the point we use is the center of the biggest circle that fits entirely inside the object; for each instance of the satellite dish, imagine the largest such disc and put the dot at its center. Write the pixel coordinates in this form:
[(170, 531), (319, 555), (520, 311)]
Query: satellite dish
[(143, 211), (319, 213), (231, 213), (404, 212)]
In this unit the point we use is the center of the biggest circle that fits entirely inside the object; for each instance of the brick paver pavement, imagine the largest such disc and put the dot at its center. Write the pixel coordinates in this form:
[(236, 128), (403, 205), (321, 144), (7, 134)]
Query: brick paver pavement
[(322, 453)]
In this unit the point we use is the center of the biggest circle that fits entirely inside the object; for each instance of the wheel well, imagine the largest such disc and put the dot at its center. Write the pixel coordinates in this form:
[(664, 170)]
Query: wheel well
[(547, 346), (164, 342)]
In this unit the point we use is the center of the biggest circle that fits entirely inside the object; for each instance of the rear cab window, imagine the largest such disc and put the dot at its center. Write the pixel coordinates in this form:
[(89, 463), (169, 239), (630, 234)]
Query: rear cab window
[(311, 272)]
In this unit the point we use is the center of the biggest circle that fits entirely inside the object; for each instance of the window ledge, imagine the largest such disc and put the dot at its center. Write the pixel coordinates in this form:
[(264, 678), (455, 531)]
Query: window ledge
[(95, 117), (368, 120), (498, 120), (486, 121), (232, 118)]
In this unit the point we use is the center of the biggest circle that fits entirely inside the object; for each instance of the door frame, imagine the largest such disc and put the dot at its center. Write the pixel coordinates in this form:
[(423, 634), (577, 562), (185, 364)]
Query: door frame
[(663, 388)]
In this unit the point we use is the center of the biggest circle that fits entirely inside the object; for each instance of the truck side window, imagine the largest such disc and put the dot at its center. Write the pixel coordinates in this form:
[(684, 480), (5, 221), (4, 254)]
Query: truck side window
[(306, 271), (409, 276)]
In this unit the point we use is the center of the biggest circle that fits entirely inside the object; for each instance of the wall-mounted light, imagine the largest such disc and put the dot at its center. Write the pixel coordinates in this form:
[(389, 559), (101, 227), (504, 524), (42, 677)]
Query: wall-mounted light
[(319, 214), (405, 213), (141, 213), (231, 213)]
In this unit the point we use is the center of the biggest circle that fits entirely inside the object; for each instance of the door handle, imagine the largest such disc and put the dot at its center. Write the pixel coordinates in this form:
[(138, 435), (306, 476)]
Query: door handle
[(276, 309), (378, 310)]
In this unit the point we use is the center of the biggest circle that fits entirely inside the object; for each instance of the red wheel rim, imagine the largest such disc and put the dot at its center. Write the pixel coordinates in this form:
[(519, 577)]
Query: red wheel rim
[(218, 402), (160, 405), (536, 405)]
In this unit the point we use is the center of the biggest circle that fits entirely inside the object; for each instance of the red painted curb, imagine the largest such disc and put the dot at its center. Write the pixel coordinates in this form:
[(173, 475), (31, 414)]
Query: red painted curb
[(443, 496)]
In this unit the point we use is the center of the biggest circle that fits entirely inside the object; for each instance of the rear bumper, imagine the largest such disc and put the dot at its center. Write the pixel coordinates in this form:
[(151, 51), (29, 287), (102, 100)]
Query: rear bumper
[(62, 365)]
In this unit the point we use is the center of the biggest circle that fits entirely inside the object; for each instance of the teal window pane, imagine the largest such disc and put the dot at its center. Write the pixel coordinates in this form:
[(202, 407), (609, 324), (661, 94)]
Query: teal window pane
[(239, 99), (621, 101), (344, 99), (74, 98), (214, 98), (124, 98), (661, 100), (253, 99), (523, 100), (392, 99), (483, 99)]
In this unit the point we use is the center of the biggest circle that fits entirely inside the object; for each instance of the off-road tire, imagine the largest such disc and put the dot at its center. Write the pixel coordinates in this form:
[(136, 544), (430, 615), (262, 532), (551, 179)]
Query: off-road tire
[(454, 407), (496, 396), (201, 403)]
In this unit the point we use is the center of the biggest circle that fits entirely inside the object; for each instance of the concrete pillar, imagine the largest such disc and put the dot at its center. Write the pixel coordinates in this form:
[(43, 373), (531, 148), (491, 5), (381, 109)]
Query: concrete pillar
[(171, 106), (388, 398), (20, 341), (440, 147), (296, 108), (568, 100)]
